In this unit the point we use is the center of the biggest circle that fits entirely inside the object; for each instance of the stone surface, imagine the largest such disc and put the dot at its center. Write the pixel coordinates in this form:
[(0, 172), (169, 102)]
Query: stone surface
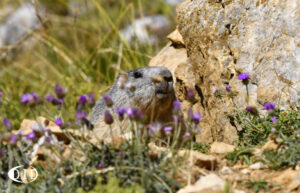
[(225, 38), (221, 148)]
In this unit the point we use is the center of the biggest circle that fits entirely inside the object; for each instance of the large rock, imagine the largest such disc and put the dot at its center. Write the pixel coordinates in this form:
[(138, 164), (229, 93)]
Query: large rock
[(225, 38)]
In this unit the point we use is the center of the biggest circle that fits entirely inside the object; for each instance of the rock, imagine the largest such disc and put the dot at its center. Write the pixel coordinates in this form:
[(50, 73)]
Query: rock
[(209, 183), (245, 171), (221, 148), (18, 25), (226, 170), (147, 29), (290, 178), (176, 39), (174, 2), (223, 39), (200, 160), (257, 166)]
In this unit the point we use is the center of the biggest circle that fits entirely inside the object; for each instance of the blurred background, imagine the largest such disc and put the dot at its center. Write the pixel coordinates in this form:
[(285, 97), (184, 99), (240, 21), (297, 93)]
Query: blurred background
[(80, 44)]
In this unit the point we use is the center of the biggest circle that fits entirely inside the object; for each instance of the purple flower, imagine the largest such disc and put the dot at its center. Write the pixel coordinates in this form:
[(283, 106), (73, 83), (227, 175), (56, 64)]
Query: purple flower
[(134, 113), (0, 97), (190, 94), (1, 94), (244, 76), (187, 135), (154, 129), (228, 88), (120, 153), (91, 98), (36, 97), (80, 115), (197, 117), (1, 153), (31, 136), (82, 99), (50, 98), (249, 108), (27, 98), (168, 130), (108, 119), (176, 106), (6, 123), (13, 139), (107, 100), (100, 166), (176, 118), (269, 106), (60, 101), (274, 119), (48, 139), (59, 122), (60, 91), (121, 113)]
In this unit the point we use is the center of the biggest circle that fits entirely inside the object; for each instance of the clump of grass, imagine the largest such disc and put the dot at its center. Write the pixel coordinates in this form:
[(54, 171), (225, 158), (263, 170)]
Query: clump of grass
[(257, 185), (202, 147)]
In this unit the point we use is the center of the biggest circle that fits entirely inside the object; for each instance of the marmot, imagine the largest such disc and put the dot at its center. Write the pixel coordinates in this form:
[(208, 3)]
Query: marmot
[(149, 89)]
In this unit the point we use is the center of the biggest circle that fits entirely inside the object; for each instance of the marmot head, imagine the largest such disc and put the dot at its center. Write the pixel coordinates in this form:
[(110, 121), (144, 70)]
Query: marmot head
[(149, 89)]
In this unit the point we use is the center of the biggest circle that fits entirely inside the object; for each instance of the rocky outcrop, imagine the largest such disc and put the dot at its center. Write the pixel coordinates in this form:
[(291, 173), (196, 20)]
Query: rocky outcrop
[(220, 40)]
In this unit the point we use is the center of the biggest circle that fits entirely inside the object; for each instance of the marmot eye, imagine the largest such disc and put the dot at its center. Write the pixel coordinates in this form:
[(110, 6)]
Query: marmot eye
[(137, 74)]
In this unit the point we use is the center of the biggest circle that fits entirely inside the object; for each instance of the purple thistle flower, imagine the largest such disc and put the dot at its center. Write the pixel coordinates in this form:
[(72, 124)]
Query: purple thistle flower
[(91, 98), (197, 117), (108, 119), (60, 101), (228, 88), (134, 113), (1, 153), (107, 100), (269, 106), (6, 123), (190, 94), (120, 153), (31, 136), (168, 130), (50, 98), (187, 135), (274, 119), (1, 94), (0, 98), (100, 166), (82, 99), (176, 106), (121, 113), (13, 139), (59, 122), (60, 91), (252, 110), (27, 98), (36, 97), (80, 115), (154, 129), (249, 108), (48, 139), (244, 76)]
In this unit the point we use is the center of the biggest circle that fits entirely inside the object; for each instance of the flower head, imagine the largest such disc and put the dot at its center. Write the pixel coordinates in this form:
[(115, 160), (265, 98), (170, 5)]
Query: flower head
[(244, 77), (187, 135), (100, 166), (60, 91), (196, 117), (121, 112), (274, 119), (134, 113), (108, 100), (13, 139), (80, 115), (176, 118), (154, 129), (108, 118), (59, 122), (31, 135), (36, 97), (228, 88), (0, 98), (190, 94), (168, 130), (82, 99), (252, 110), (120, 153), (27, 98), (91, 98), (6, 123), (269, 106), (176, 106), (50, 98)]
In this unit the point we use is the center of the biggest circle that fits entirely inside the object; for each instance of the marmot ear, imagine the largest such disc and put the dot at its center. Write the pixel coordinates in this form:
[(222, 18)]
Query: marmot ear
[(121, 80)]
